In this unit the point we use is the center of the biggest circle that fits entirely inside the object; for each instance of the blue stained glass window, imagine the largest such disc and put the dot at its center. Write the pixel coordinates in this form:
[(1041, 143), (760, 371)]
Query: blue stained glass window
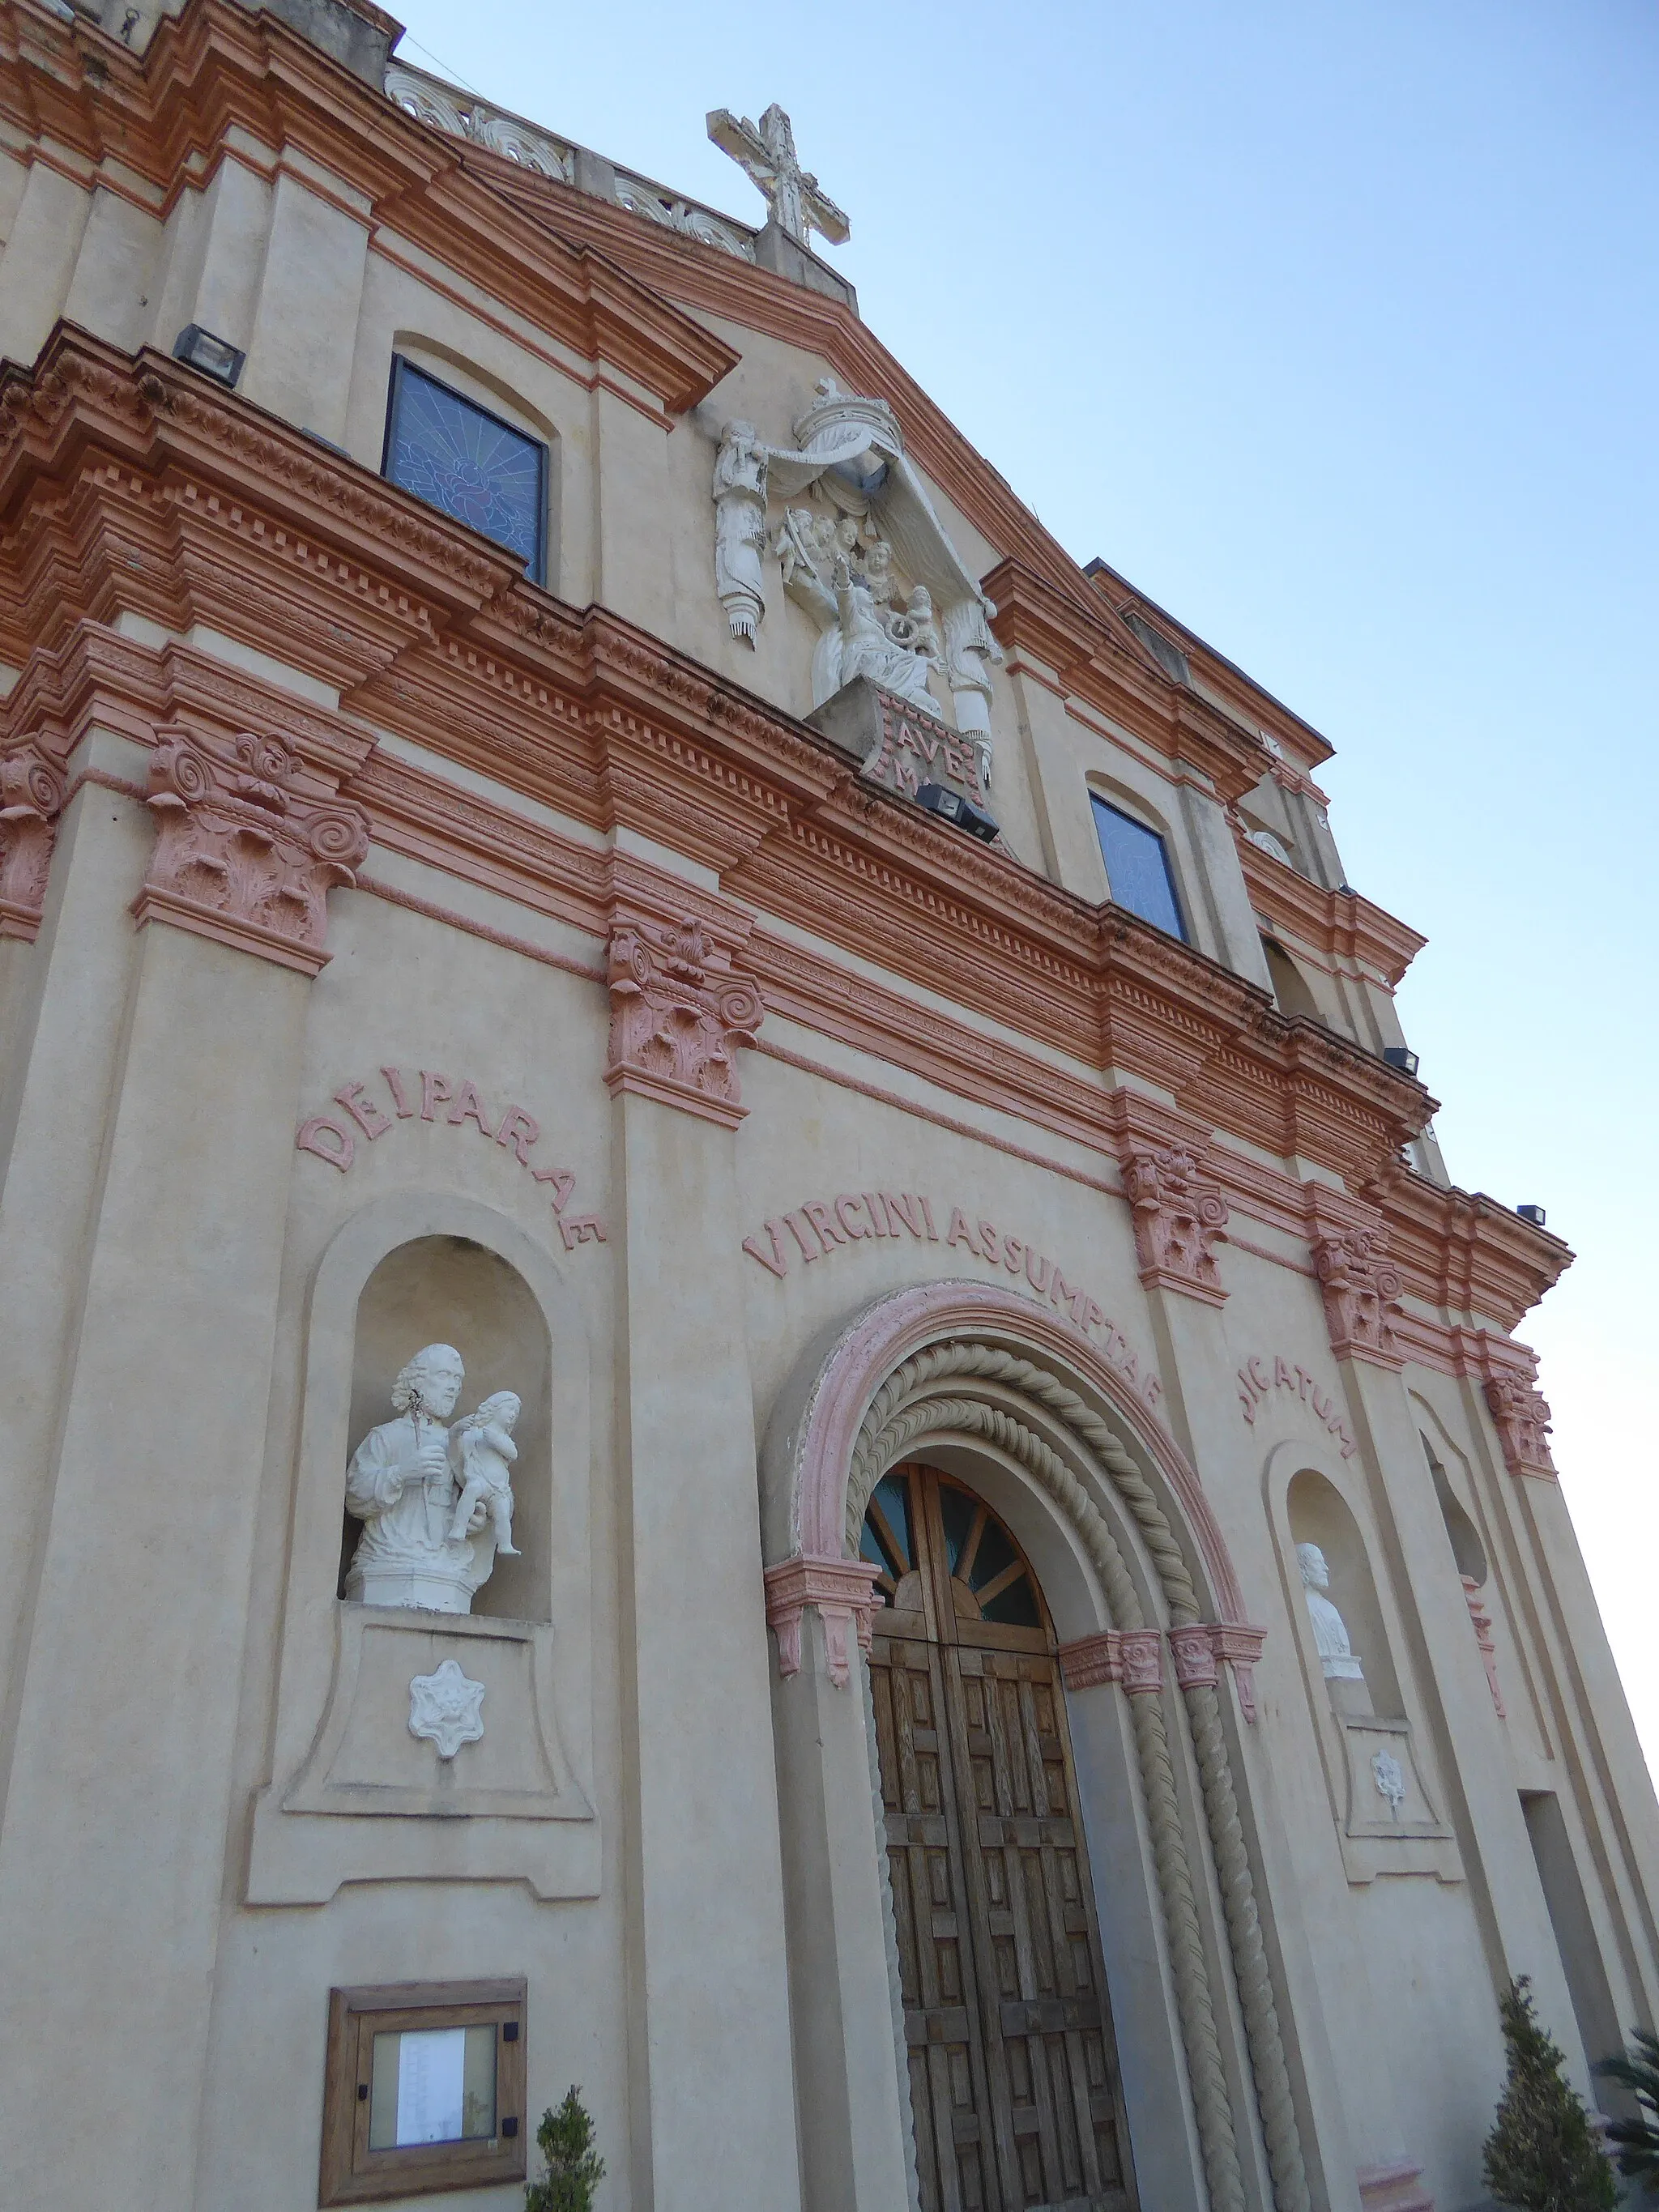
[(1137, 869), (465, 462)]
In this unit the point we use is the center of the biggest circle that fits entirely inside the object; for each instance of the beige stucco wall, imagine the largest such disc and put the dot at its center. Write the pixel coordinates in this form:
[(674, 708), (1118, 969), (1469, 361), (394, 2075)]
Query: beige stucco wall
[(168, 1589)]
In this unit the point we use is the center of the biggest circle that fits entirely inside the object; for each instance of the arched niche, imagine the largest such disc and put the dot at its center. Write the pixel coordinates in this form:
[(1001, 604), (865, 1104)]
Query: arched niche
[(1319, 1514), (448, 1289), (1291, 987), (410, 1268), (1384, 1796), (1454, 1494)]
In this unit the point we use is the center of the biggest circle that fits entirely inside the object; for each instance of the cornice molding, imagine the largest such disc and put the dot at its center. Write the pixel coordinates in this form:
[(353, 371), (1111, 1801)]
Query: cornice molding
[(1098, 658), (1340, 924), (169, 118), (128, 486)]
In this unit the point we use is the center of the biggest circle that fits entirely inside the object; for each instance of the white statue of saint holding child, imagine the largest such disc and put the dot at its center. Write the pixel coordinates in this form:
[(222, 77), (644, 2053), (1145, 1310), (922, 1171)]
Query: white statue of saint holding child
[(435, 1502)]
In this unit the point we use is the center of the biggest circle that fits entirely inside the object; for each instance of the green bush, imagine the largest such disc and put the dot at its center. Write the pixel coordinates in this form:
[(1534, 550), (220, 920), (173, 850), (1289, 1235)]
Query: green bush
[(565, 2140), (1638, 2140), (1543, 2154)]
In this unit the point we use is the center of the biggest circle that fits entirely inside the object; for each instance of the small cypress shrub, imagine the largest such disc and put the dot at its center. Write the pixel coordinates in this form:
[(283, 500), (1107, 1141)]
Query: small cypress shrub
[(574, 2169), (1543, 2154)]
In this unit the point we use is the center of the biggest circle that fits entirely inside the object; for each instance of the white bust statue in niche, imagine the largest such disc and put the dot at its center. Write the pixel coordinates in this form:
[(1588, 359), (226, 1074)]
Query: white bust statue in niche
[(1336, 1654), (435, 1503)]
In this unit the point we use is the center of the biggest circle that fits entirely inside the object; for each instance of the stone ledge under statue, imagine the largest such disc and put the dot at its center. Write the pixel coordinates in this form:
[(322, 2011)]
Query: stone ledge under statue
[(899, 746), (372, 1801)]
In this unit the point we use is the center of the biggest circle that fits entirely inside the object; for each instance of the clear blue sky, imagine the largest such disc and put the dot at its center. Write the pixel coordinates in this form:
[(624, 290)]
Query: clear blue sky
[(1332, 325)]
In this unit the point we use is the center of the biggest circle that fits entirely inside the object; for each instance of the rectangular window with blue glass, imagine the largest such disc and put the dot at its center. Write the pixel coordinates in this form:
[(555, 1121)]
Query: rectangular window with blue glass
[(1137, 870), (467, 463)]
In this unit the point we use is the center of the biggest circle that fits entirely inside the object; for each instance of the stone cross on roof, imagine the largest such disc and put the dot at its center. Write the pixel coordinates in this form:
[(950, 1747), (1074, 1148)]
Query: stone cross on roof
[(768, 158)]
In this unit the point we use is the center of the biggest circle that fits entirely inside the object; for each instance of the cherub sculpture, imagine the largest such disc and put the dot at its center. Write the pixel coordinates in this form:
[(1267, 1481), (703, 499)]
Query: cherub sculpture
[(483, 1443)]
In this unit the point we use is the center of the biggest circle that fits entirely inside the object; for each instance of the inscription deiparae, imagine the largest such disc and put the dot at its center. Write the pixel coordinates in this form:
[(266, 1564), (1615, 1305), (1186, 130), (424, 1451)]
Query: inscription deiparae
[(429, 1095), (819, 1226)]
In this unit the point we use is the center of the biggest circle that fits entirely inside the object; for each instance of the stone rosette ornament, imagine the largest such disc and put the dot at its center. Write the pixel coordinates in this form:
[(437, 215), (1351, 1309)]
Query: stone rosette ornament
[(446, 1708)]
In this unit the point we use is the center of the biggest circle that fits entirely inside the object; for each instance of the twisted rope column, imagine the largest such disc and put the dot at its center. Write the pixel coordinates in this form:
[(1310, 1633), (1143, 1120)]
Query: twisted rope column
[(885, 1432)]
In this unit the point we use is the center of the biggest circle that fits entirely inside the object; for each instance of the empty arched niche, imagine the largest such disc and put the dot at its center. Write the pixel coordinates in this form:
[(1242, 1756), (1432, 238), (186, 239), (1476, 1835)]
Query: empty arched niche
[(1467, 1549), (448, 1290), (1320, 1515)]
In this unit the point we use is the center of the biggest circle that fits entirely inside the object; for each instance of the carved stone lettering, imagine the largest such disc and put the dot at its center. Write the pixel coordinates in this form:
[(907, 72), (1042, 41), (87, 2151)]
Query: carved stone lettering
[(431, 1096), (1255, 1384), (819, 1226)]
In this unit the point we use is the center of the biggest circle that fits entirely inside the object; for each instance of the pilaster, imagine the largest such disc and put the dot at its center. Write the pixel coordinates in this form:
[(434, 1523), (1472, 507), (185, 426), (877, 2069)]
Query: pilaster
[(147, 1415), (1472, 1755), (704, 1873)]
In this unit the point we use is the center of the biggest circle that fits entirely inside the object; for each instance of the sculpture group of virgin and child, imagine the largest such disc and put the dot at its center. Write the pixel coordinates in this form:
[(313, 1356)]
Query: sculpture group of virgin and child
[(435, 1501)]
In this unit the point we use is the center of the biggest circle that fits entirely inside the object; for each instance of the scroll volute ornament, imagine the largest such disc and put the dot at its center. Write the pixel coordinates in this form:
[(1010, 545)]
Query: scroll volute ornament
[(1361, 1287), (243, 853), (1178, 1218), (1521, 1415), (30, 799), (678, 1012)]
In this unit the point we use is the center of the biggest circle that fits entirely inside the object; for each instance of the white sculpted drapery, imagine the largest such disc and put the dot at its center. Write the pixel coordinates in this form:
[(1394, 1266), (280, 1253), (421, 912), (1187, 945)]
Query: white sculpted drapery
[(851, 448), (435, 1503)]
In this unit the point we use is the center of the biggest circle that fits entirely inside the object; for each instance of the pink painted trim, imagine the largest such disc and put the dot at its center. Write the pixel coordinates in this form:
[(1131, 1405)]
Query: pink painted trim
[(890, 1331), (1088, 1661), (1240, 1647), (590, 971), (1141, 1651), (666, 1092), (1380, 2187), (769, 1048), (1194, 1653), (153, 905), (842, 1590)]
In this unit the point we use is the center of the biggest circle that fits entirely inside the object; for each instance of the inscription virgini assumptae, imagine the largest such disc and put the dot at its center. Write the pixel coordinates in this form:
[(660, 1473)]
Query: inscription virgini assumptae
[(820, 1226)]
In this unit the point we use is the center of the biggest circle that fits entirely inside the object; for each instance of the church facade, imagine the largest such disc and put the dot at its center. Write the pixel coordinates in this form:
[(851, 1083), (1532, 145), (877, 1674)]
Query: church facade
[(736, 1366)]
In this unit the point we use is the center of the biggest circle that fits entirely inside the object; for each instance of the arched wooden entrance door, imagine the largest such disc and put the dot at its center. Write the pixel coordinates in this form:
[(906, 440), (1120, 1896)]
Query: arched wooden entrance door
[(1013, 2075)]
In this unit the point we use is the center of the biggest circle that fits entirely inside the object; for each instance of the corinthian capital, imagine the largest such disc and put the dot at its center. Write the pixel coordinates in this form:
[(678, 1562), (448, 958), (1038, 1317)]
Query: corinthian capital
[(1361, 1287), (678, 1012), (243, 851), (1177, 1218), (31, 798)]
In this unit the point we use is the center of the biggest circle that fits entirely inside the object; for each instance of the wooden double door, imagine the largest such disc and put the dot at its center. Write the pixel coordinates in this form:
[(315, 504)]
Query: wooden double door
[(1014, 2074)]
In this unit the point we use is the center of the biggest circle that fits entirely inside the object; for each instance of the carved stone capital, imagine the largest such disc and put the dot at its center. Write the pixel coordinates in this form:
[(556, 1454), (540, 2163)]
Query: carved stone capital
[(30, 799), (1521, 1418), (243, 853), (1361, 1287), (1239, 1647), (1178, 1218), (842, 1593), (1131, 1656), (678, 1012)]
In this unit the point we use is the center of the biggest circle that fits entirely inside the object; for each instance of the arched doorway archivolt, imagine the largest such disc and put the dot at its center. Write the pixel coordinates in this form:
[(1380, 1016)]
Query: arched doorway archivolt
[(963, 1365)]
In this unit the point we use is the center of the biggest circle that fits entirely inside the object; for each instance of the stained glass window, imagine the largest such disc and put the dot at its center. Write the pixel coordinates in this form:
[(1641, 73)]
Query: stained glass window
[(467, 463), (1137, 868)]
